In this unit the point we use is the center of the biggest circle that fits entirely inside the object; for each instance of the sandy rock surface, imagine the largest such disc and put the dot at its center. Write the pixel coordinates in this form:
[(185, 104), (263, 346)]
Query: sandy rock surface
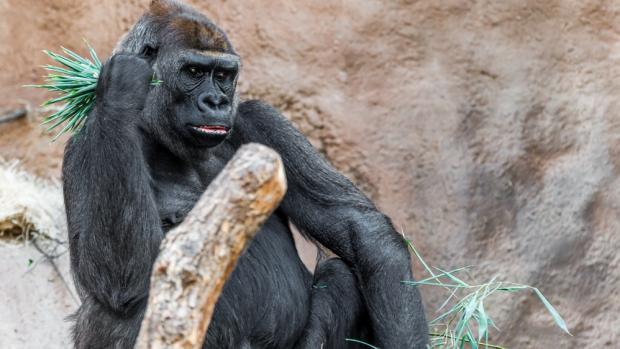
[(487, 130), (35, 300)]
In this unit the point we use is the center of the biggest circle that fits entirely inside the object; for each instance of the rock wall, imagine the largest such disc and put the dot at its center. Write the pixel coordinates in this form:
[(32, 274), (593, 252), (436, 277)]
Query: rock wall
[(487, 130)]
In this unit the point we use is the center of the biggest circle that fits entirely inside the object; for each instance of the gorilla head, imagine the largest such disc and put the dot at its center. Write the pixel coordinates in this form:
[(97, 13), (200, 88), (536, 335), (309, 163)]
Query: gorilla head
[(194, 107)]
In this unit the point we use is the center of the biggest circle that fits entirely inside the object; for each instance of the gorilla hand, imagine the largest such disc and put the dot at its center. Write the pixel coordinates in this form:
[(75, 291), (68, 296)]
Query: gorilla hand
[(124, 84)]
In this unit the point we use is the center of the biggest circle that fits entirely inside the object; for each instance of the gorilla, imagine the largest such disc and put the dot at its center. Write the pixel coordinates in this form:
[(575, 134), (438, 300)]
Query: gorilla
[(146, 154)]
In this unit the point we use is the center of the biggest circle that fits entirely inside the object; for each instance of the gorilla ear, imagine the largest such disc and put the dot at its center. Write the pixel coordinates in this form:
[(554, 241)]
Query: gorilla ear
[(149, 52)]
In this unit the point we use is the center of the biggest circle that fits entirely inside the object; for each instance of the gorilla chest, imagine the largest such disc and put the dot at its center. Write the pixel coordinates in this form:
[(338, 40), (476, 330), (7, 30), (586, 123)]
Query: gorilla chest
[(175, 196)]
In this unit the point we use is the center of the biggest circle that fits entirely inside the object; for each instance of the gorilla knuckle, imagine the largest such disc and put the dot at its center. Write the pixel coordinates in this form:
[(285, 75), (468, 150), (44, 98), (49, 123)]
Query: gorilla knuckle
[(129, 67), (125, 80)]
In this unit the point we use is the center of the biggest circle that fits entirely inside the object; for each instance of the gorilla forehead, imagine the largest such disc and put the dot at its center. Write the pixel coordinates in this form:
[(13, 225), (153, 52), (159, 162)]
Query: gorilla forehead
[(172, 23)]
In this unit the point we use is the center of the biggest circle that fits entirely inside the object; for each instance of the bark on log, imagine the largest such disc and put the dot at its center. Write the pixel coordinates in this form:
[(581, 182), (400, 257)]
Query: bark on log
[(197, 257)]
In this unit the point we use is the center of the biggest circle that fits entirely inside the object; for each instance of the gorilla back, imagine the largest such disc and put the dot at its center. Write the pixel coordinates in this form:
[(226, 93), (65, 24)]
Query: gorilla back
[(147, 153)]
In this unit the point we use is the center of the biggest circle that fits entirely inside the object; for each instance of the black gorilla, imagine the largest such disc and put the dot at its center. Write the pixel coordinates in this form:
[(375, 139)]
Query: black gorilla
[(142, 160)]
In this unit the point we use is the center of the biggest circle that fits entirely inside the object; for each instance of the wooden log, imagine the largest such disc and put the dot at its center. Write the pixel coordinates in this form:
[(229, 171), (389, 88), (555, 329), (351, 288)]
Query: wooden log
[(197, 257)]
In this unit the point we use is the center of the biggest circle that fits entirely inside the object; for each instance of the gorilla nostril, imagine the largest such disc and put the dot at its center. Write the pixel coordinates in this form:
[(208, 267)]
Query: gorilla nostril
[(212, 102)]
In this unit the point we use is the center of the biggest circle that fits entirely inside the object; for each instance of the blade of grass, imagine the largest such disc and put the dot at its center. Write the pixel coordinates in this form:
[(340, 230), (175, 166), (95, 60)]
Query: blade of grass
[(419, 257), (554, 313), (487, 345), (93, 55), (361, 342)]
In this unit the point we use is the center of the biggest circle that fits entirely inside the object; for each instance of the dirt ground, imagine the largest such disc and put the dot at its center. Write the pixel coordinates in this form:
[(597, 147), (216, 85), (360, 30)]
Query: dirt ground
[(487, 130)]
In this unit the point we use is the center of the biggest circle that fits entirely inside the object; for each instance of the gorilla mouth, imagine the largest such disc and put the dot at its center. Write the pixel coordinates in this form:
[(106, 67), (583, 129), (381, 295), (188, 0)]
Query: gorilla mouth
[(211, 130)]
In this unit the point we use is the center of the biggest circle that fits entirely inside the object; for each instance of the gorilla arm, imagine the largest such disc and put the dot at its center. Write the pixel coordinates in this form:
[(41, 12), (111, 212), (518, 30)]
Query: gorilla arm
[(114, 226), (329, 208)]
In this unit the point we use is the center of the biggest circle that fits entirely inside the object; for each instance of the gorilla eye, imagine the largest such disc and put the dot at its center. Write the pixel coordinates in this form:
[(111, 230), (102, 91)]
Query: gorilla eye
[(196, 72), (220, 76)]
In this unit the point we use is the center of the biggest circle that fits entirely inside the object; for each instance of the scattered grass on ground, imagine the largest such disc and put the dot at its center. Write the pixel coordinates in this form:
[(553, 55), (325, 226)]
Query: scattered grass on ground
[(464, 322)]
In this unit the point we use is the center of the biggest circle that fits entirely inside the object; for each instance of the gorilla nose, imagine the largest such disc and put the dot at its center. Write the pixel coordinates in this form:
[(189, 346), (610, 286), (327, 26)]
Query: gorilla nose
[(210, 102)]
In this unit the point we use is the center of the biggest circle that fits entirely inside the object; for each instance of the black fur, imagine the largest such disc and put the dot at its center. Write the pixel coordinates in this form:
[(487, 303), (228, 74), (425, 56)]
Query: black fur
[(137, 167)]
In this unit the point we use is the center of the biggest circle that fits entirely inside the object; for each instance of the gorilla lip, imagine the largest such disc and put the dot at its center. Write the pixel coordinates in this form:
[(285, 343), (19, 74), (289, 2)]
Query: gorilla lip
[(211, 129)]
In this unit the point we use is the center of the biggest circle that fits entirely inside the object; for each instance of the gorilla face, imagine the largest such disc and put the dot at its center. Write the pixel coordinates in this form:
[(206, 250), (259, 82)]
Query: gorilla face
[(204, 102), (195, 106)]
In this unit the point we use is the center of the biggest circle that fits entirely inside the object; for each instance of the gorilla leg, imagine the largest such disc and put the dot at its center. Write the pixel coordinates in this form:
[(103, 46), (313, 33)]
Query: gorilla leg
[(337, 310)]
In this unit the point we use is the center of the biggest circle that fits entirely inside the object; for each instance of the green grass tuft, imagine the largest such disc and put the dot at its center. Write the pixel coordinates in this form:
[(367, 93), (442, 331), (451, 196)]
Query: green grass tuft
[(466, 323), (76, 81)]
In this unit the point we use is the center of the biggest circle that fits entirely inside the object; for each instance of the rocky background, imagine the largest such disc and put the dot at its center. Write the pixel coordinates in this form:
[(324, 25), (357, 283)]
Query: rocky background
[(489, 131)]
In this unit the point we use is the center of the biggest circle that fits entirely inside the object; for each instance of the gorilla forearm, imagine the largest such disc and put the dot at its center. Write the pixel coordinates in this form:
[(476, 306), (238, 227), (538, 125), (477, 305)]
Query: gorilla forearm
[(113, 223), (396, 310), (327, 206)]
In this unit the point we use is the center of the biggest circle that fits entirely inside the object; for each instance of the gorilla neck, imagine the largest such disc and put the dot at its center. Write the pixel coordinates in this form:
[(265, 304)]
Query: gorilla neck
[(157, 139), (182, 162), (177, 182)]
